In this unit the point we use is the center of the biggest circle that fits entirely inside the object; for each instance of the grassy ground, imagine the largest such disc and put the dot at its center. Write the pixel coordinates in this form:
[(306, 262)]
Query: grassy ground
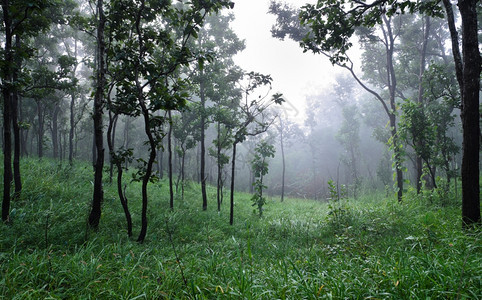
[(372, 248)]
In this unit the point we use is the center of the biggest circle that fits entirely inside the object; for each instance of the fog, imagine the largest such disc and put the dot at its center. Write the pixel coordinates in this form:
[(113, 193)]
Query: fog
[(353, 124)]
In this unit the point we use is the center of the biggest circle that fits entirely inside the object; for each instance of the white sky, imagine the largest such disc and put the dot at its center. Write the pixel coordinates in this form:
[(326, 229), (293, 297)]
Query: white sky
[(295, 74)]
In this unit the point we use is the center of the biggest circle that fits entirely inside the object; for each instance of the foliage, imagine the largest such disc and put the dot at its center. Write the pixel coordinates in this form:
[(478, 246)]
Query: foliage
[(332, 22), (260, 166), (339, 212), (426, 129)]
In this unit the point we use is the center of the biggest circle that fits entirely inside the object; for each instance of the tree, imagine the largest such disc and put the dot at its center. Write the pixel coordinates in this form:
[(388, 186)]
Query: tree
[(260, 166), (182, 130), (281, 130), (467, 71), (381, 55), (150, 43), (349, 133), (349, 138), (332, 23), (250, 112), (21, 20), (219, 43), (100, 86)]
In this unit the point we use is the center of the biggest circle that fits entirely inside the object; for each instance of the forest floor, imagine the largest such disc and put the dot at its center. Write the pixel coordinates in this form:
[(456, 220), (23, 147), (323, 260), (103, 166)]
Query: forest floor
[(369, 248)]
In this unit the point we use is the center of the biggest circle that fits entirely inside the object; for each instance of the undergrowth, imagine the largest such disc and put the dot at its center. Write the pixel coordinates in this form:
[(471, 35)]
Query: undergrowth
[(373, 248)]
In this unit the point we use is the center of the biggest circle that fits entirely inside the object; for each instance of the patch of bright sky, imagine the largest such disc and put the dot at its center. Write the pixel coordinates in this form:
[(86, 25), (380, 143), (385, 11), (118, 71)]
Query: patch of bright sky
[(295, 74)]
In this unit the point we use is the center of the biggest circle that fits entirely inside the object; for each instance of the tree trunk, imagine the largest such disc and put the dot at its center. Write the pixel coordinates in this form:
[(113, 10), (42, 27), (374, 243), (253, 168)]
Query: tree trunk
[(123, 199), (219, 165), (160, 171), (7, 120), (126, 135), (98, 195), (55, 131), (251, 179), (468, 75), (283, 172), (16, 129), (233, 169), (40, 130), (150, 162), (72, 116), (354, 170), (470, 113), (23, 132), (203, 147), (392, 86), (110, 141), (169, 149), (182, 173), (423, 54)]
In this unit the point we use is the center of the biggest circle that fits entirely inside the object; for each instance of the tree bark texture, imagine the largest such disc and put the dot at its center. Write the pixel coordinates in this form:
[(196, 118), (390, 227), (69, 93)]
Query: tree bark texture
[(16, 128), (147, 175), (98, 195), (7, 119), (467, 70), (203, 146), (470, 113)]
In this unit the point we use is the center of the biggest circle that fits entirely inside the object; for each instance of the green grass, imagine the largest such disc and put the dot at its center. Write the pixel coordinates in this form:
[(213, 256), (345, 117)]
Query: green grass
[(378, 249)]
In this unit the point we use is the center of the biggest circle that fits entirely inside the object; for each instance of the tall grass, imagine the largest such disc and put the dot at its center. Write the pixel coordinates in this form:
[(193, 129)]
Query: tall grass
[(379, 249)]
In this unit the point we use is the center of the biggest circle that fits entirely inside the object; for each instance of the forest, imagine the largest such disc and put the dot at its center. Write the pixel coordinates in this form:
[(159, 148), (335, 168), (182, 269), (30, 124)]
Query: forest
[(141, 161)]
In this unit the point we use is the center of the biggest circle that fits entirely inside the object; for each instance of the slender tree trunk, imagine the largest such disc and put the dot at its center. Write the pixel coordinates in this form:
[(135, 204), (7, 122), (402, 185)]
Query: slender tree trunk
[(251, 180), (40, 133), (182, 173), (160, 170), (98, 195), (61, 149), (72, 129), (423, 54), (354, 171), (114, 129), (283, 172), (219, 165), (147, 175), (169, 149), (7, 119), (233, 169), (72, 115), (203, 147), (63, 144), (126, 141), (178, 181), (123, 198), (55, 131), (392, 84), (110, 142), (23, 132), (198, 173), (397, 158), (16, 129)]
